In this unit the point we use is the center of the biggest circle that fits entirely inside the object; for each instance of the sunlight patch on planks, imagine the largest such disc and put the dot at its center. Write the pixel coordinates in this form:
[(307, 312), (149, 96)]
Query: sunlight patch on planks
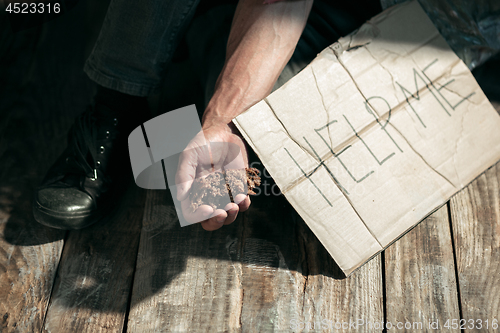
[(94, 279), (420, 276), (475, 214), (265, 272)]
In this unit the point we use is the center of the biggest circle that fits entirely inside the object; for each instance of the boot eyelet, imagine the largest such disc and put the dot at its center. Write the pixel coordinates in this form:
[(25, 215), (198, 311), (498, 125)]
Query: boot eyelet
[(115, 121), (98, 163), (102, 149), (107, 134)]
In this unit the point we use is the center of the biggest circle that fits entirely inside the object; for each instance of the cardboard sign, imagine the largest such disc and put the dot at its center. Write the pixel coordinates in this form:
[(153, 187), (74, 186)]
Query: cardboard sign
[(379, 131)]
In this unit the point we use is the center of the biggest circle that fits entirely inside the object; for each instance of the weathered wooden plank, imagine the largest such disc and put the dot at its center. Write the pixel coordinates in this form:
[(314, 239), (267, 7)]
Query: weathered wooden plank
[(421, 289), (26, 276), (45, 88), (94, 279), (265, 272), (191, 280), (29, 252), (475, 219), (95, 275), (338, 304), (185, 279), (475, 214), (271, 263)]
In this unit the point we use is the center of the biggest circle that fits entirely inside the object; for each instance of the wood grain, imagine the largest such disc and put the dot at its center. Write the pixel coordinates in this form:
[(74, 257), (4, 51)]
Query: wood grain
[(45, 88), (94, 279), (242, 277), (185, 280), (420, 277), (29, 252), (337, 302), (265, 272), (475, 213)]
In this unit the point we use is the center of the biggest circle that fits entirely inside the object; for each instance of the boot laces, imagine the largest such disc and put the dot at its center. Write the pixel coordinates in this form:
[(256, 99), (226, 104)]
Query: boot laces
[(84, 135)]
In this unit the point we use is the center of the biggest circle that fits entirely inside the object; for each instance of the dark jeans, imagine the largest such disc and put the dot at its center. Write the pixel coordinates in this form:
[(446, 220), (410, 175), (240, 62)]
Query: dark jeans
[(138, 39)]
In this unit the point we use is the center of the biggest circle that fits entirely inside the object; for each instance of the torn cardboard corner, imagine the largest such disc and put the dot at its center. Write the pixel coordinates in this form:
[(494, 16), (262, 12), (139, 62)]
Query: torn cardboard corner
[(380, 130)]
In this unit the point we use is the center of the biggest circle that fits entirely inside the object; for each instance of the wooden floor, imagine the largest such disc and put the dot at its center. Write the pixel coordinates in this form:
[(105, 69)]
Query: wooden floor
[(140, 272)]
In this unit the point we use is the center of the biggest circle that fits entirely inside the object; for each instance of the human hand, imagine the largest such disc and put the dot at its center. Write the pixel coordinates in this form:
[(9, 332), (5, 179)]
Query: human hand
[(215, 148)]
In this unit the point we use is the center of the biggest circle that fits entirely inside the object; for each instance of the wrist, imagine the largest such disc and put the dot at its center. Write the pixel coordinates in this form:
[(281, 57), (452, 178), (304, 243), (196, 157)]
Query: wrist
[(219, 116), (222, 123), (228, 101), (212, 120)]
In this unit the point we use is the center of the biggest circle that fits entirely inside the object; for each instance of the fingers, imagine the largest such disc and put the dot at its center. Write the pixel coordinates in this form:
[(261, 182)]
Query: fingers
[(216, 221), (221, 217), (243, 202), (232, 212), (212, 220), (225, 216)]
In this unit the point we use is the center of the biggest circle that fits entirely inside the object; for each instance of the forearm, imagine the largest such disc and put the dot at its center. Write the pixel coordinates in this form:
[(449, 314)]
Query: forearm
[(262, 40)]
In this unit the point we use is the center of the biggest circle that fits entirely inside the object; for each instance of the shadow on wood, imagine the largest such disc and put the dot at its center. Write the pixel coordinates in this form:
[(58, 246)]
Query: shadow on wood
[(270, 236)]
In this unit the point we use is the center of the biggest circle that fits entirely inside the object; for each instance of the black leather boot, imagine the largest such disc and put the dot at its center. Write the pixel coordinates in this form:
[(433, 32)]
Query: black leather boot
[(85, 182)]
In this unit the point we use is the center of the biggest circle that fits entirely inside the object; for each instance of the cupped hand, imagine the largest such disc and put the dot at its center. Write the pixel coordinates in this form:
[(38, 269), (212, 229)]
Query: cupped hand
[(215, 148)]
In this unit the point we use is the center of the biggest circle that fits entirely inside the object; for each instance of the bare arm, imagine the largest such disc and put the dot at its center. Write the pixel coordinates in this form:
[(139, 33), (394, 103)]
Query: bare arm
[(262, 40)]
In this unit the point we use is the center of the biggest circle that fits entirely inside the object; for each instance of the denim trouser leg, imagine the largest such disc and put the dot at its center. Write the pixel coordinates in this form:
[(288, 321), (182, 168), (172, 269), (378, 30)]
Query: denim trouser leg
[(136, 42)]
